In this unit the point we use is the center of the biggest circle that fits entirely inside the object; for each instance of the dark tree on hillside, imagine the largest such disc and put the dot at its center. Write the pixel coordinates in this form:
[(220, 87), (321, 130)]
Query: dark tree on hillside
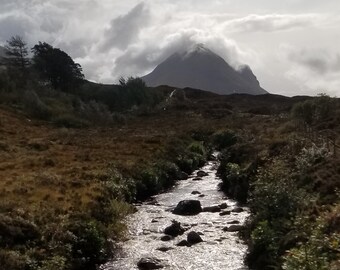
[(17, 53), (56, 67)]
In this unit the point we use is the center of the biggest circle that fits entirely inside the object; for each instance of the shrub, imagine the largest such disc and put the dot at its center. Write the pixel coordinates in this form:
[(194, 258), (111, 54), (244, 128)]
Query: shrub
[(197, 147), (310, 156), (224, 138), (320, 245), (88, 248), (16, 230), (265, 246), (12, 260), (275, 193), (35, 107), (54, 263), (147, 183), (94, 112), (70, 121), (235, 182)]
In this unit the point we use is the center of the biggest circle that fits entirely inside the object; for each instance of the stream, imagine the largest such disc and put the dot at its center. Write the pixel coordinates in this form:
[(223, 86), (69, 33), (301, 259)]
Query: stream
[(221, 248)]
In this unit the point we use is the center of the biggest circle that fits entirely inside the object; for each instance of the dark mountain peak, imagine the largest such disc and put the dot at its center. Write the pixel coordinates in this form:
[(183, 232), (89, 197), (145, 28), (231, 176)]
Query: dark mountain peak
[(246, 73), (198, 49), (199, 67)]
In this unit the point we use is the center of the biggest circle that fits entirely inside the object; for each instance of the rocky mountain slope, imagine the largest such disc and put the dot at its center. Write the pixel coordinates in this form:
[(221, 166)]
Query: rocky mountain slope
[(201, 68)]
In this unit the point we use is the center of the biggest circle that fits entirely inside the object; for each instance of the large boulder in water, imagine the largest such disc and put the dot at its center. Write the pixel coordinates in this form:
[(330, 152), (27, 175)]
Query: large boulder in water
[(202, 174), (149, 263), (188, 207), (174, 229)]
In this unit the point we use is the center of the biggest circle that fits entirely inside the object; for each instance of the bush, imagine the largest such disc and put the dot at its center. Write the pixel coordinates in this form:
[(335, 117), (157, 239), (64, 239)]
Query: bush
[(94, 112), (275, 193), (311, 156), (265, 246), (35, 107), (54, 263), (16, 230), (70, 121), (224, 138), (276, 200), (235, 182), (88, 248), (320, 246), (197, 147), (148, 183), (12, 260)]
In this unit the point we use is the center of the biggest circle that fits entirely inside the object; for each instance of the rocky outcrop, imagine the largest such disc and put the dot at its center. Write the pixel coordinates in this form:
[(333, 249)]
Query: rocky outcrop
[(188, 207)]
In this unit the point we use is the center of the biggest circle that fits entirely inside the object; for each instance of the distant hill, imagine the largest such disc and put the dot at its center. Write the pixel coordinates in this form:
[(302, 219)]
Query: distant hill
[(201, 68)]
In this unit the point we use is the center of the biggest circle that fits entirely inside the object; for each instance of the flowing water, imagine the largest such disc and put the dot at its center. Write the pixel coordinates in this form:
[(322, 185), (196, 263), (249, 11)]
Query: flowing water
[(219, 250)]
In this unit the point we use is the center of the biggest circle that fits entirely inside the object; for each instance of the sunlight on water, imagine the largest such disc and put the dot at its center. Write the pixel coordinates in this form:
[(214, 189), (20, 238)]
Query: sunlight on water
[(220, 250)]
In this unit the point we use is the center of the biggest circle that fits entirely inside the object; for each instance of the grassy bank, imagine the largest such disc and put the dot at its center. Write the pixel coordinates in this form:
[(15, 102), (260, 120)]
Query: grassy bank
[(286, 170)]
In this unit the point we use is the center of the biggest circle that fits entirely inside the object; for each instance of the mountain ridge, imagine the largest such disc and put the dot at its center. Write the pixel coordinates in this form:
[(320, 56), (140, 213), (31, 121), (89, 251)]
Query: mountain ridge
[(201, 68)]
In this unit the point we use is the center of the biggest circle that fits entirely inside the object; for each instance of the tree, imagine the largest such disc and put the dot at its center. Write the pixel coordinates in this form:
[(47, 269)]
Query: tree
[(17, 53), (135, 91), (56, 67)]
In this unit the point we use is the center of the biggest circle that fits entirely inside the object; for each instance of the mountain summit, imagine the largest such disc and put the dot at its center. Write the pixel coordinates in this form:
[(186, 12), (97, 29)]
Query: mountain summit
[(201, 68)]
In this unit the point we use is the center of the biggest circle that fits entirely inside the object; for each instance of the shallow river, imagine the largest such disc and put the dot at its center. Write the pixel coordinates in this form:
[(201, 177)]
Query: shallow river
[(219, 250)]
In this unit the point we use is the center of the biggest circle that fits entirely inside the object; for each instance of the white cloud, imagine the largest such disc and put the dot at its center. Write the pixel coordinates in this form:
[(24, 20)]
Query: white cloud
[(316, 69), (125, 29), (271, 22)]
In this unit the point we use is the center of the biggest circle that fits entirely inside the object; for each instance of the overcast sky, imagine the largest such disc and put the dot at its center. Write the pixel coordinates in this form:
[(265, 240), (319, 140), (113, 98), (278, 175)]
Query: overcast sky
[(292, 46)]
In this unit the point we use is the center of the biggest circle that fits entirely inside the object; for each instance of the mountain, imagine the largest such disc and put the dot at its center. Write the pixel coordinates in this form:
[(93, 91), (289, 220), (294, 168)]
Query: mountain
[(201, 68)]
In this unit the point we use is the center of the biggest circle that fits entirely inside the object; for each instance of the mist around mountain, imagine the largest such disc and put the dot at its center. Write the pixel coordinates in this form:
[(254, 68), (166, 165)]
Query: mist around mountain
[(201, 68)]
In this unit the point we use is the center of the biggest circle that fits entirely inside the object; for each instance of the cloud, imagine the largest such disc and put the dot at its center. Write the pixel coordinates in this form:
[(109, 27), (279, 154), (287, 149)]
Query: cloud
[(15, 25), (271, 22), (319, 61), (125, 29), (318, 69)]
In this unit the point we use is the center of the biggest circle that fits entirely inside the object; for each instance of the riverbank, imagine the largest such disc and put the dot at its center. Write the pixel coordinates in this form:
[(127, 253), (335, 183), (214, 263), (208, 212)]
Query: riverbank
[(289, 179)]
